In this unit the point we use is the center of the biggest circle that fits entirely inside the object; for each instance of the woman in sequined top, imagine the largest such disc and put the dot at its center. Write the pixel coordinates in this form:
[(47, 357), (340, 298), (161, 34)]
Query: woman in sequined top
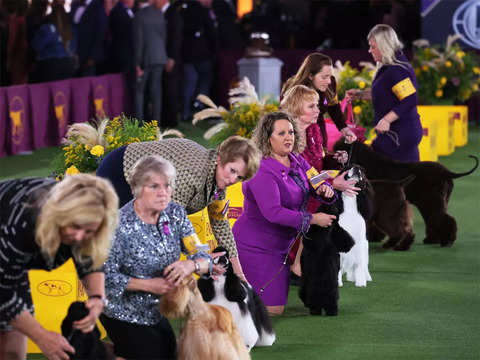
[(275, 209), (44, 223), (316, 73), (394, 97), (144, 263), (202, 177)]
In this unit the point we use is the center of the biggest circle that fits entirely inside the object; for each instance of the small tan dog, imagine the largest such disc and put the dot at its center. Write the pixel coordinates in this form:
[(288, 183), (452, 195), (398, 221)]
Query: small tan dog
[(209, 331)]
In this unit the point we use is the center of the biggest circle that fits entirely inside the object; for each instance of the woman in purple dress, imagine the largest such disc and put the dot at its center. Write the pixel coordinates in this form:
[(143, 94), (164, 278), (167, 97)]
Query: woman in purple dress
[(394, 97), (275, 210)]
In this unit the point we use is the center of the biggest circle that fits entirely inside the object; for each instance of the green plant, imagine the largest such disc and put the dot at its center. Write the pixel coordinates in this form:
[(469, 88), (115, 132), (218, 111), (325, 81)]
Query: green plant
[(445, 74), (86, 144)]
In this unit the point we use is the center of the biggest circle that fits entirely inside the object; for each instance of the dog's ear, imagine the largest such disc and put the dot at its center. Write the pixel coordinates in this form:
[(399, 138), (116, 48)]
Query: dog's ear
[(76, 311), (234, 290), (206, 289)]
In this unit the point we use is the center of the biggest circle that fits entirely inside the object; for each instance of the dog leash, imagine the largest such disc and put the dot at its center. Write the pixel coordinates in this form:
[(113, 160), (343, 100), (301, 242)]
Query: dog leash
[(285, 260)]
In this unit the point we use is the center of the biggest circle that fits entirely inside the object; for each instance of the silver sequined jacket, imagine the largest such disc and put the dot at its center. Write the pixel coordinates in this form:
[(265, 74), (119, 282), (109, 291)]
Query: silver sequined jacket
[(195, 186), (142, 251)]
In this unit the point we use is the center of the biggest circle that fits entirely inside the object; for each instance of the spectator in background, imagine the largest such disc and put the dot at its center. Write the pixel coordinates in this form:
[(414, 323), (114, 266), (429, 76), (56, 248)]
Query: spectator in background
[(90, 24), (121, 35), (171, 91), (17, 66), (61, 19), (229, 33), (3, 44), (199, 50), (150, 56), (49, 58)]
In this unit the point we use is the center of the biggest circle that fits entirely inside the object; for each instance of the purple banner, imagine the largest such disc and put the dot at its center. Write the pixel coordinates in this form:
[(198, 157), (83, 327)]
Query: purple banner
[(82, 109), (119, 101), (3, 122), (60, 95), (100, 96), (42, 122), (19, 134)]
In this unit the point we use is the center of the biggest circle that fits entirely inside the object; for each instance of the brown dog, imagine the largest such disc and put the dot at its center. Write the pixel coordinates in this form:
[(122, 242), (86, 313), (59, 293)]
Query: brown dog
[(391, 214), (429, 191), (209, 331)]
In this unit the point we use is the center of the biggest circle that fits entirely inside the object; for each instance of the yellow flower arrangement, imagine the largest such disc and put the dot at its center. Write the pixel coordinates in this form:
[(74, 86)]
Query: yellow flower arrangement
[(351, 78), (242, 117), (72, 170), (357, 110), (97, 150), (453, 76), (86, 144)]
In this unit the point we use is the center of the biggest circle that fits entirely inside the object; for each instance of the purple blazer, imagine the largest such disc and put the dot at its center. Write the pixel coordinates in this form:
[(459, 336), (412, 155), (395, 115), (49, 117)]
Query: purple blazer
[(395, 88)]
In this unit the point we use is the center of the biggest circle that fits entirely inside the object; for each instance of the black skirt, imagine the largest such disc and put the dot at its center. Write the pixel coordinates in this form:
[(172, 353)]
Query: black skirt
[(141, 342)]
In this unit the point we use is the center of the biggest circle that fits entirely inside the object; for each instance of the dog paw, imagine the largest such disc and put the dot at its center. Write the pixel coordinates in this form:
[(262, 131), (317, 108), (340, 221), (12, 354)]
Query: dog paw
[(333, 311), (430, 240), (317, 312)]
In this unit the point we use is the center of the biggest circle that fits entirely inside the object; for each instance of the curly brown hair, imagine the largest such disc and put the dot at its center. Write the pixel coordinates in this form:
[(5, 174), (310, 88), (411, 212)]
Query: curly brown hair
[(264, 129)]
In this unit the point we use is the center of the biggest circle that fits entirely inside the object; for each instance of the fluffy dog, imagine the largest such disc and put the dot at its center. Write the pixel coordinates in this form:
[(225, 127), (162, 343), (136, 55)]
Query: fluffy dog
[(429, 191), (392, 215), (247, 308), (354, 214), (87, 346), (320, 262), (208, 332)]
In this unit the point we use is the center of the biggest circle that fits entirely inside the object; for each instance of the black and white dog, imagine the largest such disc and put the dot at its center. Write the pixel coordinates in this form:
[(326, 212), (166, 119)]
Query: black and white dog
[(354, 212), (248, 310), (88, 346)]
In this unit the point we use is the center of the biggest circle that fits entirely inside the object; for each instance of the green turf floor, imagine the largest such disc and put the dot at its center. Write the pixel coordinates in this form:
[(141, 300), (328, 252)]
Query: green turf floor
[(422, 304)]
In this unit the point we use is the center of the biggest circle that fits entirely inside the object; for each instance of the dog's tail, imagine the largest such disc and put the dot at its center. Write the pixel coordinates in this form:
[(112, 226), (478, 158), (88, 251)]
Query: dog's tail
[(457, 175), (261, 319)]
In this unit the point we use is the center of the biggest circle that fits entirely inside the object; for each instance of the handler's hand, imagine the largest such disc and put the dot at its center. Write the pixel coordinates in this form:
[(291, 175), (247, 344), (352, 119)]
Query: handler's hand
[(159, 285), (352, 94), (341, 156), (325, 190), (179, 270), (87, 324), (349, 135), (54, 346), (322, 219), (383, 126), (347, 186)]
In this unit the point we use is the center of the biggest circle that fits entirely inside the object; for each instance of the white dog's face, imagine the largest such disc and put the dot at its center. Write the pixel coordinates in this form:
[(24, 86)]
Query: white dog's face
[(356, 173)]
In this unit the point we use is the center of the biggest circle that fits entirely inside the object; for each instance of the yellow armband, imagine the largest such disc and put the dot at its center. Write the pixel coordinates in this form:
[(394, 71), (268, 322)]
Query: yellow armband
[(403, 89)]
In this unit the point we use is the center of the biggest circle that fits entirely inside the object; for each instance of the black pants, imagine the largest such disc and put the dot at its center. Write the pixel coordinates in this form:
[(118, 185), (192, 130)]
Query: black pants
[(141, 342)]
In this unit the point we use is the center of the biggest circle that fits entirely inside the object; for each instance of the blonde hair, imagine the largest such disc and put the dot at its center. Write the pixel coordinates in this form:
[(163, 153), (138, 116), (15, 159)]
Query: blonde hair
[(143, 169), (294, 97), (312, 65), (236, 147), (78, 199), (388, 44), (264, 130)]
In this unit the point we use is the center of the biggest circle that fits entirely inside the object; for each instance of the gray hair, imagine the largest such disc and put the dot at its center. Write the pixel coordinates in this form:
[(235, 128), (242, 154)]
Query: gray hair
[(387, 42), (143, 169)]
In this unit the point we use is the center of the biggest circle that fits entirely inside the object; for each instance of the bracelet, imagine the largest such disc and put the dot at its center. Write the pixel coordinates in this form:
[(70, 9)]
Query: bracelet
[(96, 296), (197, 267)]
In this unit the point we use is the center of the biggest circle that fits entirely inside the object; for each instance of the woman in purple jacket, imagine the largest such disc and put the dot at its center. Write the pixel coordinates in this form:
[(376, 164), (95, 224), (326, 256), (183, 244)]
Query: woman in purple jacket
[(275, 209), (394, 97)]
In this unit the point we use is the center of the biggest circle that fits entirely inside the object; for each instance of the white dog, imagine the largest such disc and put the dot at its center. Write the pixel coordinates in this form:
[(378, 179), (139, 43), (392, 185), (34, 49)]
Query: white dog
[(247, 308), (353, 219)]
